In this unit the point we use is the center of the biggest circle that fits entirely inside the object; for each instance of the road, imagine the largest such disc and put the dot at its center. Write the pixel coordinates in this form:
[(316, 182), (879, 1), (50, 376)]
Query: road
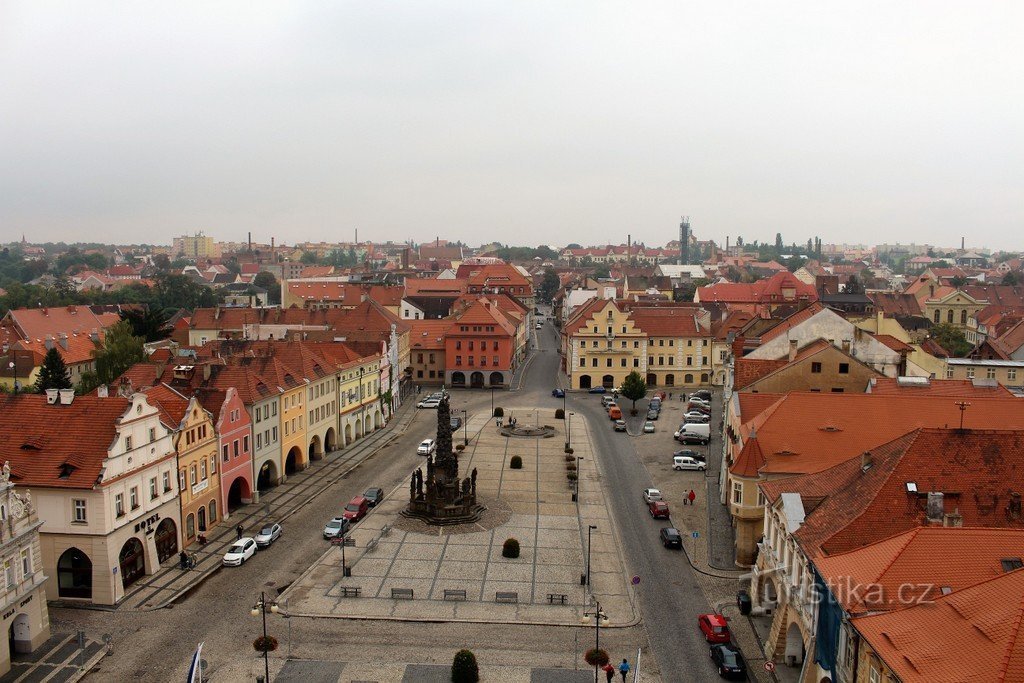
[(156, 645)]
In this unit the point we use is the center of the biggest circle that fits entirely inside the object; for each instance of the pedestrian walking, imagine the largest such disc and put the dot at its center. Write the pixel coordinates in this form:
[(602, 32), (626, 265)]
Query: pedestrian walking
[(238, 532), (609, 671), (624, 669), (691, 496)]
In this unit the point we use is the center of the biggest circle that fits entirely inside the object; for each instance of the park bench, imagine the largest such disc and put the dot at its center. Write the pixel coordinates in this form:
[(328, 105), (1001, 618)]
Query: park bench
[(560, 598), (350, 591), (401, 593), (505, 596), (454, 594), (371, 544)]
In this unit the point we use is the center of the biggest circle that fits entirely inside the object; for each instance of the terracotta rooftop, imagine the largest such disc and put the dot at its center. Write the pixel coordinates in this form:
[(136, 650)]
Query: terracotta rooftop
[(428, 334), (37, 323), (769, 290), (670, 321), (894, 343), (972, 634), (968, 555), (924, 386), (57, 446), (427, 287), (810, 432), (895, 304)]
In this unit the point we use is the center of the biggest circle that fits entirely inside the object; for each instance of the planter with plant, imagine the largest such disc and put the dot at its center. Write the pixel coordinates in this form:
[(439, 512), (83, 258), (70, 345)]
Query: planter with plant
[(265, 644), (464, 668), (515, 463), (596, 657), (499, 412), (510, 548), (559, 414)]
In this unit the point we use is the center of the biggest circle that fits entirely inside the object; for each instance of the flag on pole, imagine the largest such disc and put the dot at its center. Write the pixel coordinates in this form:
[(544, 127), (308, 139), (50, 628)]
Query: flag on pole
[(195, 669)]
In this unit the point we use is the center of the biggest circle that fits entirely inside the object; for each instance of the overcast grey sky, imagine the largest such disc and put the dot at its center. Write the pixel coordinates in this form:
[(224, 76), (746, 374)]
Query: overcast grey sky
[(522, 122)]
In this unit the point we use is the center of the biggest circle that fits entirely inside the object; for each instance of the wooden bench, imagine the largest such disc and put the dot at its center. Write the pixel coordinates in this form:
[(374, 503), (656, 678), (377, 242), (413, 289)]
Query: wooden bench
[(350, 591), (503, 596), (454, 594), (371, 544), (401, 594), (560, 598)]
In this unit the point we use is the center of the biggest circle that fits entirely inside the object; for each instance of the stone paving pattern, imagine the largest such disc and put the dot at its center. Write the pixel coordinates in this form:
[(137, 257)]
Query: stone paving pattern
[(549, 526)]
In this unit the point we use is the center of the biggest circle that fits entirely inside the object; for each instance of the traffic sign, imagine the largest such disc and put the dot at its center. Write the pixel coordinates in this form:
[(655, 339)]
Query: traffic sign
[(769, 666), (636, 580), (695, 534)]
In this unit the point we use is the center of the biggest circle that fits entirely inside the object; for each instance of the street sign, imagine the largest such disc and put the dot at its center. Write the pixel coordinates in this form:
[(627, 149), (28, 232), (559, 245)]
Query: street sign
[(636, 580), (769, 666), (348, 542), (695, 534)]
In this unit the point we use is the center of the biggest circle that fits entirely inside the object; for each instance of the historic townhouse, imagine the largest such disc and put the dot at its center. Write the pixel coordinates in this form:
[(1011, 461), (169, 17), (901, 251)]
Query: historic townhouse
[(26, 619), (103, 477), (197, 447), (234, 433), (357, 388), (601, 344), (480, 347), (678, 345)]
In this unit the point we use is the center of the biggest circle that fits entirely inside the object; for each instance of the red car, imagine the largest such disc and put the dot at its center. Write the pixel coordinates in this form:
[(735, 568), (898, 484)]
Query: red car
[(658, 509), (714, 628), (357, 509)]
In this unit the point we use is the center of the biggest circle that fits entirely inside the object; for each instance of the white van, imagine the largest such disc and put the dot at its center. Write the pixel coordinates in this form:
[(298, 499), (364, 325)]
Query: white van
[(682, 462), (694, 433)]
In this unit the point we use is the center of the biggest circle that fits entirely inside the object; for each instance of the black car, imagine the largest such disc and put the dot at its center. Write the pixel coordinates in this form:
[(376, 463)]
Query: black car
[(374, 496), (670, 537), (702, 393), (729, 661), (688, 453)]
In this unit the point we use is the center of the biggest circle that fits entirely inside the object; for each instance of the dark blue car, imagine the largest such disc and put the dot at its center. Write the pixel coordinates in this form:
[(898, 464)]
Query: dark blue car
[(598, 390), (558, 393)]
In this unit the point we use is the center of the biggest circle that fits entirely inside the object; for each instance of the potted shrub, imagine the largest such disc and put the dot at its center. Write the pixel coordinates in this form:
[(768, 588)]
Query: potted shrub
[(460, 447), (464, 668), (571, 476), (570, 467), (510, 548), (595, 657), (569, 450), (498, 412), (268, 644), (569, 458), (516, 463), (559, 414)]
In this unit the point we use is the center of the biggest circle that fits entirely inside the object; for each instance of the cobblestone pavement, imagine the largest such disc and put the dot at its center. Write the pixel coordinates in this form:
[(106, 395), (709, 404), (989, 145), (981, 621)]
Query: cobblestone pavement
[(456, 573), (58, 660)]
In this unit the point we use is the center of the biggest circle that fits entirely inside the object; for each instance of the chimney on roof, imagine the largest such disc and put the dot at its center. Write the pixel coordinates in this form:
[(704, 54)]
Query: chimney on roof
[(935, 508), (953, 519), (52, 396), (737, 347), (63, 340), (94, 335), (1013, 507), (102, 391), (793, 343), (49, 342), (67, 396), (846, 346), (866, 461)]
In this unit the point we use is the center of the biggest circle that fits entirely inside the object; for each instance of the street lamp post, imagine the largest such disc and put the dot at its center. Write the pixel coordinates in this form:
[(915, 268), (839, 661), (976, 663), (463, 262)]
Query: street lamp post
[(576, 493), (492, 401), (600, 618), (465, 425), (585, 579), (258, 608), (568, 430)]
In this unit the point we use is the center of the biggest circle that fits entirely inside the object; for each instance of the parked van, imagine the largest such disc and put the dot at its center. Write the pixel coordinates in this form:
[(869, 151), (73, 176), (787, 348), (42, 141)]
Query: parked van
[(694, 433), (615, 413)]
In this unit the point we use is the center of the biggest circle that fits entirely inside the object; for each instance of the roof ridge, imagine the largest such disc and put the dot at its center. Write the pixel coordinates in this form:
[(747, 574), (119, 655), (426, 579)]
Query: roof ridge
[(1015, 634)]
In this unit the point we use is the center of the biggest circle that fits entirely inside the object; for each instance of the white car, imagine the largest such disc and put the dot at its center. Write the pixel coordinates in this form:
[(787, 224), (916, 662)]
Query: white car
[(240, 551), (651, 495), (682, 462), (696, 417), (429, 403), (648, 427), (336, 527), (426, 447), (540, 326), (268, 534)]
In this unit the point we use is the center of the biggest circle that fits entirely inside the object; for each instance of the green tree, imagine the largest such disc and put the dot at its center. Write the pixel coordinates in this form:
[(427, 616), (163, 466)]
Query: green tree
[(162, 262), (778, 243), (179, 291), (53, 373), (634, 388), (464, 668), (854, 286), (548, 286), (267, 281), (121, 349), (1011, 279), (309, 258), (149, 323), (951, 339)]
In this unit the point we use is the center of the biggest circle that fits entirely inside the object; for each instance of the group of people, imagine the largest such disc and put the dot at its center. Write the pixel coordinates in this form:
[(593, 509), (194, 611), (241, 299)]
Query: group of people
[(511, 422), (689, 498), (609, 670)]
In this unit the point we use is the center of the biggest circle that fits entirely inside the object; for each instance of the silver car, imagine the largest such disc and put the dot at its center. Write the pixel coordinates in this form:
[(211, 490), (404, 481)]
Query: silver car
[(268, 534), (336, 527)]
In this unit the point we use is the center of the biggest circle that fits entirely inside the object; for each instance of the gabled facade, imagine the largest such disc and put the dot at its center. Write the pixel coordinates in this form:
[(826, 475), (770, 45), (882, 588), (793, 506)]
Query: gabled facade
[(234, 434), (480, 347), (601, 344)]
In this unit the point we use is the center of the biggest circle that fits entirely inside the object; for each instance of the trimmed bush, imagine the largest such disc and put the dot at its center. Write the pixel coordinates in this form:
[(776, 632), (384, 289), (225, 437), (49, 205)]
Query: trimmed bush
[(498, 412), (464, 668), (268, 644), (570, 467), (516, 463), (571, 476), (559, 414), (569, 450), (569, 458), (510, 548), (460, 447), (595, 657)]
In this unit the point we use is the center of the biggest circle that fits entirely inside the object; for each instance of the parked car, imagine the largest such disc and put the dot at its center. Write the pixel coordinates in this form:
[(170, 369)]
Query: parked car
[(540, 325), (614, 413), (240, 551), (693, 433), (729, 661), (714, 628), (597, 390), (426, 447), (648, 427), (610, 405), (558, 393), (373, 495), (337, 527), (699, 404), (429, 403), (658, 509), (268, 534), (356, 509), (455, 422), (670, 537), (682, 462), (652, 414), (651, 495), (620, 425), (690, 453), (696, 417), (702, 394)]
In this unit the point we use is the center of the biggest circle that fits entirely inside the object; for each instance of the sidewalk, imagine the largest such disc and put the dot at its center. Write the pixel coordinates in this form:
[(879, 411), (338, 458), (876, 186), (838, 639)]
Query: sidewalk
[(58, 659), (170, 582)]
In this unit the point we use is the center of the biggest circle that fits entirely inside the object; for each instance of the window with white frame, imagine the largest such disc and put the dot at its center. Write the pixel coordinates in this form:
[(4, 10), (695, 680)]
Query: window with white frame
[(167, 482), (737, 493), (133, 497), (8, 574), (78, 510), (26, 562), (119, 504)]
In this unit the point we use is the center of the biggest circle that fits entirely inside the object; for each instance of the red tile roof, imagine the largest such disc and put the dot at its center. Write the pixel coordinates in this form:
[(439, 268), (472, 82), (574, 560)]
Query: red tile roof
[(427, 287), (42, 441), (37, 323), (969, 555), (766, 291), (895, 304), (810, 432), (428, 334), (973, 634), (669, 321), (921, 386)]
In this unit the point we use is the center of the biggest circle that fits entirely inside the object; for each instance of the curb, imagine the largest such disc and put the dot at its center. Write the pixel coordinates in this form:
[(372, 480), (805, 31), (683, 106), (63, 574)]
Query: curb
[(428, 620)]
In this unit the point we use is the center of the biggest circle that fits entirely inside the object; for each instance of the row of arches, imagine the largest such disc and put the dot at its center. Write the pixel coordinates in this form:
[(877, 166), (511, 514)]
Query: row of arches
[(608, 381), (477, 379)]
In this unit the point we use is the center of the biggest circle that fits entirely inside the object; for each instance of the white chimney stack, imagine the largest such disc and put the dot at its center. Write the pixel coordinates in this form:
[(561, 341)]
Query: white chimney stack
[(67, 396), (51, 396)]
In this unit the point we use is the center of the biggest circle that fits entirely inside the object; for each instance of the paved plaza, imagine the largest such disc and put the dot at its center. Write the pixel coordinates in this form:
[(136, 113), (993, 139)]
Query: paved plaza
[(458, 573)]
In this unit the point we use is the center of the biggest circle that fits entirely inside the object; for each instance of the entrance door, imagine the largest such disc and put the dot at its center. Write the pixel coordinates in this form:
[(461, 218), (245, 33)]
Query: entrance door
[(74, 575), (202, 519), (133, 562), (166, 540)]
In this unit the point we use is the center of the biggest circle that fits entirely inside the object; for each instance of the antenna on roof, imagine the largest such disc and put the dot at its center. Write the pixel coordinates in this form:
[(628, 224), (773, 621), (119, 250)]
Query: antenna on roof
[(963, 406)]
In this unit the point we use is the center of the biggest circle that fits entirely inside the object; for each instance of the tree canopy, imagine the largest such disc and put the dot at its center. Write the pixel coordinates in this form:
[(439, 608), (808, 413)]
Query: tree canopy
[(53, 373), (121, 349), (951, 338), (633, 387)]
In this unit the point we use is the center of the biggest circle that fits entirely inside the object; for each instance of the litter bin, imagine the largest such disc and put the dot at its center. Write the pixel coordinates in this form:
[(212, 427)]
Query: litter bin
[(743, 602)]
